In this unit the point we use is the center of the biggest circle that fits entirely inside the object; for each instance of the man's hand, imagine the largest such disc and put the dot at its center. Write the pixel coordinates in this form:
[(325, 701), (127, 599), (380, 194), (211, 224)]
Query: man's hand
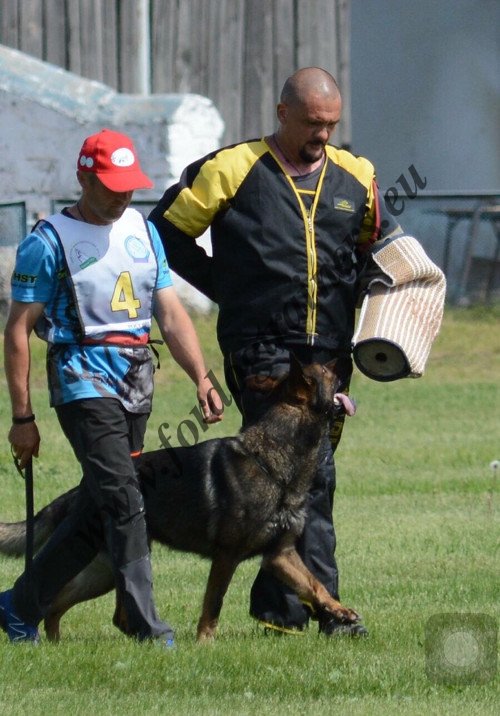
[(209, 401), (25, 441), (180, 336)]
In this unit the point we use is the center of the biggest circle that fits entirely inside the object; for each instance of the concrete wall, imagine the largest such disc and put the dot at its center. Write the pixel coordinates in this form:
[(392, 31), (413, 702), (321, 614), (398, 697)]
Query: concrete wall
[(47, 113), (425, 89)]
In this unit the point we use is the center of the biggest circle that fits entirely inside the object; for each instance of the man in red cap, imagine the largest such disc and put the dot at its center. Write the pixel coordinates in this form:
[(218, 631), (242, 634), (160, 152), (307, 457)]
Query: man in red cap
[(97, 275)]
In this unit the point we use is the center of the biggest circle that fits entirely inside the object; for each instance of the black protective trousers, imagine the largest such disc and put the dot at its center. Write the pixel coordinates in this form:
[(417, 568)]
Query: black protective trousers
[(109, 514), (271, 600)]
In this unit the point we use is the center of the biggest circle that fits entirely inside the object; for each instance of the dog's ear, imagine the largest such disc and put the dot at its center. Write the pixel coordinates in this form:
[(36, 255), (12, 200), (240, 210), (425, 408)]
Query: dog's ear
[(296, 371), (299, 385), (342, 368), (332, 365)]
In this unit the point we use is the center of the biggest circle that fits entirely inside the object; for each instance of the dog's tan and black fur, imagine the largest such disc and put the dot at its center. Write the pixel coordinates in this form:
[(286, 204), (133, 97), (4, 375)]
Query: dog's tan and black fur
[(226, 499)]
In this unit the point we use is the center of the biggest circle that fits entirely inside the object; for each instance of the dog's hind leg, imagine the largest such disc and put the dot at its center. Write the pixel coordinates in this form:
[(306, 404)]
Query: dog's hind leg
[(221, 573), (288, 567), (93, 581)]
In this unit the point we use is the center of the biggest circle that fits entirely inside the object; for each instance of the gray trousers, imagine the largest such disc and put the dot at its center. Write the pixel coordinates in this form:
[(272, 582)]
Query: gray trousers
[(109, 514)]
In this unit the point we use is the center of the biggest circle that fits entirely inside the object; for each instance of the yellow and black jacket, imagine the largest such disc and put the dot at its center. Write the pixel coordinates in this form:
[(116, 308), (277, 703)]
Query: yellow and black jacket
[(286, 261)]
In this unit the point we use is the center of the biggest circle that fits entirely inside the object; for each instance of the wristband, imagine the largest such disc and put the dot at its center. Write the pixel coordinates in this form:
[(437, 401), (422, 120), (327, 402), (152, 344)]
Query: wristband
[(23, 421)]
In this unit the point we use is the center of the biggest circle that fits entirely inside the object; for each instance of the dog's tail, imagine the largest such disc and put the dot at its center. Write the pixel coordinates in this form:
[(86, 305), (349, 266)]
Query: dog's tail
[(13, 534)]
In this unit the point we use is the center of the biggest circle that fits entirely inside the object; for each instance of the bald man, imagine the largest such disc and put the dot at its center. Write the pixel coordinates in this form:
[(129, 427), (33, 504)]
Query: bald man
[(293, 222)]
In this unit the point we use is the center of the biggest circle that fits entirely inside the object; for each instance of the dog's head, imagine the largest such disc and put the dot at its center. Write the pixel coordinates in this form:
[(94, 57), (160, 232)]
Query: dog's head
[(317, 386), (314, 385)]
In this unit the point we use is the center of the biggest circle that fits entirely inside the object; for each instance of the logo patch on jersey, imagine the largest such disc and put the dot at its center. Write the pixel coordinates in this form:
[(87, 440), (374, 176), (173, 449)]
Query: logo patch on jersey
[(84, 254), (343, 204), (23, 278), (136, 249)]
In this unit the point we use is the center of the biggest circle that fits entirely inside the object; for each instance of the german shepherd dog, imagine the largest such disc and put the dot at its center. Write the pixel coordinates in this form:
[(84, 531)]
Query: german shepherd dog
[(227, 499)]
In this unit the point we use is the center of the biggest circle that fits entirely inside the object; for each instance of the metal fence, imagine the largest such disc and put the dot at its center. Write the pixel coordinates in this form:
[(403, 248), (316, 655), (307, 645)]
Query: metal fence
[(460, 233)]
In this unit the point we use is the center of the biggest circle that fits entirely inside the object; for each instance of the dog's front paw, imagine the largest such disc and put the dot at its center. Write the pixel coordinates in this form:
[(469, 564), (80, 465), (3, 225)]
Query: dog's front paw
[(342, 621), (339, 615), (335, 628), (346, 614)]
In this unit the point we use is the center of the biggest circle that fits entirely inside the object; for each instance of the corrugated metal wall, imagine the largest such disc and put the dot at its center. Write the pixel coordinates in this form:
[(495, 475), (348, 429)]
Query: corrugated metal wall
[(236, 52)]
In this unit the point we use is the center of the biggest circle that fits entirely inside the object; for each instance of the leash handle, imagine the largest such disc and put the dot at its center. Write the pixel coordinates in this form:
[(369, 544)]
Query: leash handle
[(27, 476), (30, 518)]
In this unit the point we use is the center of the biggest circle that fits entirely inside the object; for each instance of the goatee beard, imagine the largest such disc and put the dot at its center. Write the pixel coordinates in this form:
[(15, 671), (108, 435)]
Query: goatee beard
[(310, 158)]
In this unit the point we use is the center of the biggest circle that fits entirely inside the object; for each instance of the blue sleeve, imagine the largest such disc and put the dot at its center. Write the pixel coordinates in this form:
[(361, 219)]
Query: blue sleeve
[(164, 278), (35, 271)]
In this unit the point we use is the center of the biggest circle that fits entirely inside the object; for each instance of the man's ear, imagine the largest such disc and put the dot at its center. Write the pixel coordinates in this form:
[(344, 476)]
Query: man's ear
[(281, 112), (79, 177), (84, 178)]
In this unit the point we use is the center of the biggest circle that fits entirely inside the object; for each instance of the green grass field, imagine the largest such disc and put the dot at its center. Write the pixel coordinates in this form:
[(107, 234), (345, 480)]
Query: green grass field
[(417, 516)]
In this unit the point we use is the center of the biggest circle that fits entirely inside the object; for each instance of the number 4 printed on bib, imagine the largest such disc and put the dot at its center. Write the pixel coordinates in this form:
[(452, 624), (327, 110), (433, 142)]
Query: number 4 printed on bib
[(123, 298)]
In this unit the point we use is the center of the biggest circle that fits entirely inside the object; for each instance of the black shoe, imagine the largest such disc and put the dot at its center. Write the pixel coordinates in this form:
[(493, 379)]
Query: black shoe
[(335, 628)]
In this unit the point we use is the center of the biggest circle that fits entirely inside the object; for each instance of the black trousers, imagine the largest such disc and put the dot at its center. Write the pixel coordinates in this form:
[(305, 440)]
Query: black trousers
[(270, 600), (109, 514)]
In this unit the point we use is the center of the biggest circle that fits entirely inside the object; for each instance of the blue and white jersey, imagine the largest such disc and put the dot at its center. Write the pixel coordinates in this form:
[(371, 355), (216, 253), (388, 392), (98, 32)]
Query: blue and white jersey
[(97, 320), (113, 270)]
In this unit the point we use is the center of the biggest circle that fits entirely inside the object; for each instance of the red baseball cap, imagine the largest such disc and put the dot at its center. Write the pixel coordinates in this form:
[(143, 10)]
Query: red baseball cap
[(111, 156)]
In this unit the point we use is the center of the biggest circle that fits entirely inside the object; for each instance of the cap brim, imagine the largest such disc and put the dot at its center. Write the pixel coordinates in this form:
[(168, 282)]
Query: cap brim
[(124, 181)]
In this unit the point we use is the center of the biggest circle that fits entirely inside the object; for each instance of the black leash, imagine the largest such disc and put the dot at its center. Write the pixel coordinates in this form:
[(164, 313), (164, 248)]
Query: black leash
[(155, 351), (27, 476)]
